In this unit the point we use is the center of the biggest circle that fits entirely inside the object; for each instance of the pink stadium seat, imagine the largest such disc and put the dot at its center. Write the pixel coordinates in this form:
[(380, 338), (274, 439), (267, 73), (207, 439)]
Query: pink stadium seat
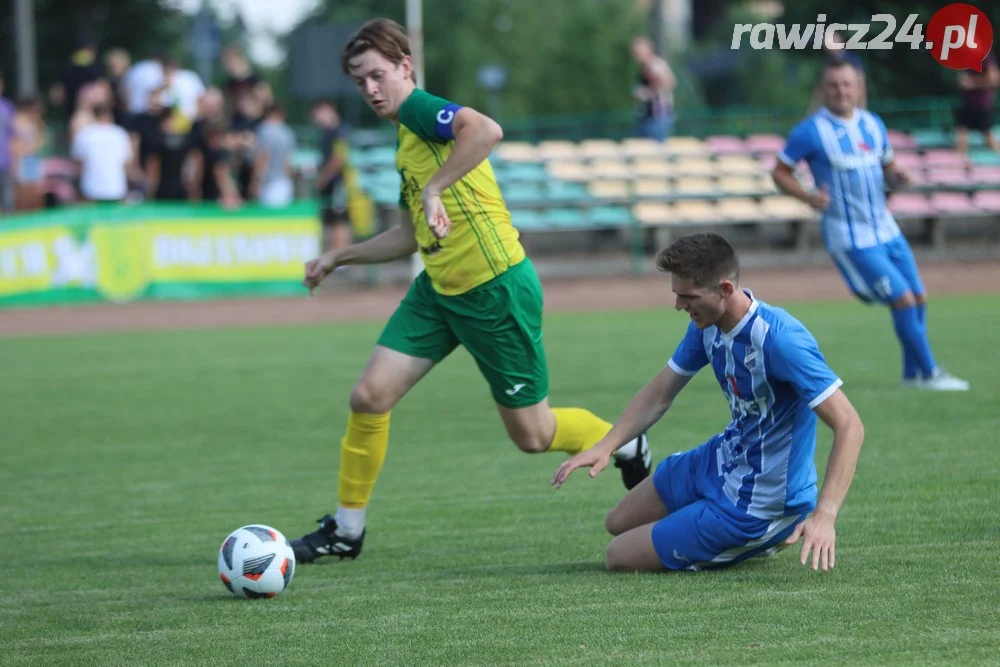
[(987, 200), (911, 204), (722, 144), (953, 203), (765, 143), (985, 175), (948, 176), (909, 161), (900, 140), (944, 157)]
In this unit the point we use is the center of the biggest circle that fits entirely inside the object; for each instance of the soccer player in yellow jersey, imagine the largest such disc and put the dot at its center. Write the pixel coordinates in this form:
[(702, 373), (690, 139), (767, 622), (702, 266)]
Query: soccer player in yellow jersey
[(478, 290)]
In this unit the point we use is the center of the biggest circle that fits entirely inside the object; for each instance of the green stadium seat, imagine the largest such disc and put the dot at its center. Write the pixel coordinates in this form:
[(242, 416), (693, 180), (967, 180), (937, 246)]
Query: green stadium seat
[(524, 171), (527, 219), (567, 191), (609, 216), (932, 138), (523, 192), (565, 217)]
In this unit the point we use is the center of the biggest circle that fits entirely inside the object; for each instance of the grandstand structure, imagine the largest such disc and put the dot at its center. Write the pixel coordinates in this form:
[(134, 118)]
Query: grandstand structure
[(652, 190)]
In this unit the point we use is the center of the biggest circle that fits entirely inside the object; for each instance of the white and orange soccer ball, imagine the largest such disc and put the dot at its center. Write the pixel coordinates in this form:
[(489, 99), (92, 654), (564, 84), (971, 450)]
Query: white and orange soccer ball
[(256, 562)]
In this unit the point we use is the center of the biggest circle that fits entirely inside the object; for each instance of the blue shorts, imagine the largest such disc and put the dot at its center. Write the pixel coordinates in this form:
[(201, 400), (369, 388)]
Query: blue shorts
[(881, 274), (699, 534)]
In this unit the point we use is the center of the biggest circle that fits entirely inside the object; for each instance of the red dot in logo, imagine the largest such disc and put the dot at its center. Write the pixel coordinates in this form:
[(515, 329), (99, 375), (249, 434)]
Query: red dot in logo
[(961, 36)]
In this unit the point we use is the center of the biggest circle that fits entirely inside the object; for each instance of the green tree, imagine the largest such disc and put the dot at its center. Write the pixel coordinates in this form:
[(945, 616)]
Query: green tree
[(138, 26)]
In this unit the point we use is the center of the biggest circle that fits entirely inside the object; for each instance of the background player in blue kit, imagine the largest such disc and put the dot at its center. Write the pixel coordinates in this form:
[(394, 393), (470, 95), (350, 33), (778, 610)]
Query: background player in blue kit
[(848, 152), (749, 490)]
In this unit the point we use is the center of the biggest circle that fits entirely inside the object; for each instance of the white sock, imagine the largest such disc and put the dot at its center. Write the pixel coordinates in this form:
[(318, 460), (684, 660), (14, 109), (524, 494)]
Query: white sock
[(350, 523), (629, 451)]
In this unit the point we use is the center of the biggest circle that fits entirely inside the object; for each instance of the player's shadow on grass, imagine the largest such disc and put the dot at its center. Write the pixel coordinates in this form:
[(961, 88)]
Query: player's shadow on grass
[(546, 569)]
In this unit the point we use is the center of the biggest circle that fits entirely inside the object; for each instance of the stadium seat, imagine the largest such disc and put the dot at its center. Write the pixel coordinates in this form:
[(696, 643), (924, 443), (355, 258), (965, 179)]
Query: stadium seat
[(642, 148), (600, 148), (517, 193), (565, 217), (686, 146), (948, 177), (782, 207), (653, 213), (567, 191), (609, 216), (932, 138), (613, 169), (953, 203), (517, 151), (739, 209), (944, 157), (737, 164), (694, 166), (901, 141), (694, 186), (568, 171), (651, 187), (740, 185), (695, 211), (985, 158), (558, 150), (910, 205), (909, 160), (984, 175), (987, 200), (766, 184), (522, 171), (608, 189), (725, 145), (652, 167), (527, 219), (765, 143)]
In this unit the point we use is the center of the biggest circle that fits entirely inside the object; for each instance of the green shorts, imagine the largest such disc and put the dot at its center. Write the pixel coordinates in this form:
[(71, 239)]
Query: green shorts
[(499, 323)]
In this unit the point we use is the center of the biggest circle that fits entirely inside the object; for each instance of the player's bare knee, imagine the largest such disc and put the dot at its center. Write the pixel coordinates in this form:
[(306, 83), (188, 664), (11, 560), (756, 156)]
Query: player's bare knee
[(366, 398), (908, 300), (530, 442), (614, 522)]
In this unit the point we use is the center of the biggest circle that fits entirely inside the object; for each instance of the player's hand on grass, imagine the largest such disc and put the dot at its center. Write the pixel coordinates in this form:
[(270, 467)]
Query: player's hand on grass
[(819, 537), (595, 458), (820, 199), (437, 216), (318, 269)]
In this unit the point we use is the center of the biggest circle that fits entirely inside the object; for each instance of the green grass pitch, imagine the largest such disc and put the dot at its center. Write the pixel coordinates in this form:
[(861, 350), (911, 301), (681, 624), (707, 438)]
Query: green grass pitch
[(128, 458)]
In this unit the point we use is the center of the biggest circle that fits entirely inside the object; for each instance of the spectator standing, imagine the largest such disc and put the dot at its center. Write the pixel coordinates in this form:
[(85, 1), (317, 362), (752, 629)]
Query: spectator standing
[(30, 136), (654, 92), (7, 112), (331, 183), (272, 182), (978, 98), (103, 151)]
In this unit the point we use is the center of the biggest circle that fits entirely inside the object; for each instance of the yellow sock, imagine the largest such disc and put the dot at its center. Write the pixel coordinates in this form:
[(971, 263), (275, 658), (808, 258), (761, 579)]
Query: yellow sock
[(577, 430), (362, 452)]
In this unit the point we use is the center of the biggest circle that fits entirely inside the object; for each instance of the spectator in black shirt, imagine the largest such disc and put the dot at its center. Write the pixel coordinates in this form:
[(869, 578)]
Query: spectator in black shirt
[(167, 160), (330, 183)]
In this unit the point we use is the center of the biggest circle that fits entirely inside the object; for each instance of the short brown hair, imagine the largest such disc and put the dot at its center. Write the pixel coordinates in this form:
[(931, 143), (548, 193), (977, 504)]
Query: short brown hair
[(703, 258), (384, 35)]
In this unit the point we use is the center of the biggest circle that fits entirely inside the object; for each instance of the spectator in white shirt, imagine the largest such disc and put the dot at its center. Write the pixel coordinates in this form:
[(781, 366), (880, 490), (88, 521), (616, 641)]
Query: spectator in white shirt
[(104, 152)]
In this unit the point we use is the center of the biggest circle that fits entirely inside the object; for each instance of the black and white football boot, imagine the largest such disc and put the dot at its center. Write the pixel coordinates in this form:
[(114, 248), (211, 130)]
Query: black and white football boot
[(325, 541), (635, 461)]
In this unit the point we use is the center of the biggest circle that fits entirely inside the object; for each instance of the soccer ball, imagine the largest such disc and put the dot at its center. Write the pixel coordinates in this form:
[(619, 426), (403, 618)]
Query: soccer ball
[(256, 562)]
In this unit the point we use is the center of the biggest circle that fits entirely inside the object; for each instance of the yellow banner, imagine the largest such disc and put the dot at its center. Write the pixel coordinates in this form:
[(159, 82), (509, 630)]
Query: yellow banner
[(36, 260), (121, 261)]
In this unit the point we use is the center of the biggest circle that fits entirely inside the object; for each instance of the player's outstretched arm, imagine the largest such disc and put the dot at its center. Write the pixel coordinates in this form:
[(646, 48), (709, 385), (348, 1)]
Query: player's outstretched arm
[(848, 435), (476, 135), (645, 409), (390, 245)]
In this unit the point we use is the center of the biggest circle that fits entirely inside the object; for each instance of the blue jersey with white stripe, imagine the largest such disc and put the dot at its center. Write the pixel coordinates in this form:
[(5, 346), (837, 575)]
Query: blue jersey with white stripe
[(773, 374), (847, 157)]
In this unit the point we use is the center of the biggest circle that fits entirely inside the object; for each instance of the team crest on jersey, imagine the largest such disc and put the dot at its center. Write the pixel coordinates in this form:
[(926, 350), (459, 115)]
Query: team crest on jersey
[(410, 188)]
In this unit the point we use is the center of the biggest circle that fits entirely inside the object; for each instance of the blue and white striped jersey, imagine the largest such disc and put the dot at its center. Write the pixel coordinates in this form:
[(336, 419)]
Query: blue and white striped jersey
[(847, 157), (773, 374)]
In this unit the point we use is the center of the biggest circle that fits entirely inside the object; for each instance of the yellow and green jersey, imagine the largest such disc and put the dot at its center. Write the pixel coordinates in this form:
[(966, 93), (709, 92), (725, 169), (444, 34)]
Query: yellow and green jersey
[(482, 243)]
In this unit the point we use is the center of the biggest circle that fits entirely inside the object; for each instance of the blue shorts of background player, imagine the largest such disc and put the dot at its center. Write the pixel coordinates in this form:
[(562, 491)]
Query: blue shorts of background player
[(881, 274)]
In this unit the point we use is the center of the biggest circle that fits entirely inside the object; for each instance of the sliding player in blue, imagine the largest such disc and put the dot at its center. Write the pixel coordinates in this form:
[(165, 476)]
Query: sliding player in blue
[(750, 490)]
